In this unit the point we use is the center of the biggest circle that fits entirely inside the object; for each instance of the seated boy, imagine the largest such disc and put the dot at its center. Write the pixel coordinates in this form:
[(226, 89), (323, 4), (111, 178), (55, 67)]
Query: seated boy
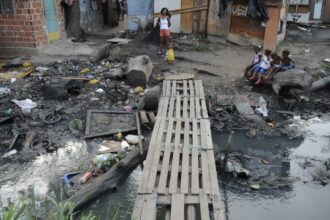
[(262, 69)]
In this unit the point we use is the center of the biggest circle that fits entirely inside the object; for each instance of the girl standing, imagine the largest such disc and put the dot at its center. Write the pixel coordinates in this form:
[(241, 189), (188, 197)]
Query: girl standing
[(164, 23)]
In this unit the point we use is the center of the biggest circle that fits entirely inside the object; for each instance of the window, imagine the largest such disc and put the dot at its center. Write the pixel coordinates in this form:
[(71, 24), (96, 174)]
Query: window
[(6, 7)]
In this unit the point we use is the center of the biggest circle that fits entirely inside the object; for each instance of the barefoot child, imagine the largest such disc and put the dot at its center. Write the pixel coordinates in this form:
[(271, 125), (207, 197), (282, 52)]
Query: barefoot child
[(275, 64), (262, 69), (170, 53), (164, 23), (256, 60), (287, 63)]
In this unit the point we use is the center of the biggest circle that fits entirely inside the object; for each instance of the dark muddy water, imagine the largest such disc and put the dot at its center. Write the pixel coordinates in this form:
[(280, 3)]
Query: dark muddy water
[(303, 198)]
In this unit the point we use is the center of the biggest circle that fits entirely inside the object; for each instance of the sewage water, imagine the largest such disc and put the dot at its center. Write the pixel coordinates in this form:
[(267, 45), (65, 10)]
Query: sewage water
[(303, 198)]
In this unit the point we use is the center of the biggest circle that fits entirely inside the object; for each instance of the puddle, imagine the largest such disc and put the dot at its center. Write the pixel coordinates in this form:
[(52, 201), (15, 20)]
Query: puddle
[(304, 198)]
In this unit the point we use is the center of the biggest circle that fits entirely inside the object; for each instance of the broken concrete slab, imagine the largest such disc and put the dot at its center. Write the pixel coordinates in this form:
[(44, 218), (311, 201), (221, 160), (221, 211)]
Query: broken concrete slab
[(118, 40)]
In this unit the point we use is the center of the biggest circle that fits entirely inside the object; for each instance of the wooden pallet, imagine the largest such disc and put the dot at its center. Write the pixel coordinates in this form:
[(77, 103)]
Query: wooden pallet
[(193, 88), (182, 107), (176, 206), (179, 176)]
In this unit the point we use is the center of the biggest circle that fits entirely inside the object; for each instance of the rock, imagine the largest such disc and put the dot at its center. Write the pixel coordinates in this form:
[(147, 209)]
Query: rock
[(151, 99), (139, 70)]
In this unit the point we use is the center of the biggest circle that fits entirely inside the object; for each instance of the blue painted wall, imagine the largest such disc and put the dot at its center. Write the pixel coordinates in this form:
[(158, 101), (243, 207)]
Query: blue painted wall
[(90, 21), (139, 12)]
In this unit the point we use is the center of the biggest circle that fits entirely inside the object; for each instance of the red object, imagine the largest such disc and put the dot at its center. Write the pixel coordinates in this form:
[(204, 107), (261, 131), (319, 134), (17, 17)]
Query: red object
[(85, 177)]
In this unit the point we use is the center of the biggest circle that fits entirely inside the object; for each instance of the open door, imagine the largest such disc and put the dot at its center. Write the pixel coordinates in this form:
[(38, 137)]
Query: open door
[(318, 6), (51, 20)]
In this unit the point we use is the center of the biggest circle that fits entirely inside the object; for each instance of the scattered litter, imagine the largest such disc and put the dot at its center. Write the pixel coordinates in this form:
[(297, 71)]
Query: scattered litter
[(85, 70), (12, 80), (42, 69), (118, 40), (124, 145), (262, 107), (76, 126), (264, 162), (303, 29), (26, 105), (103, 160), (68, 176), (110, 147), (133, 139), (4, 90), (89, 76), (327, 60), (26, 64), (255, 186), (270, 124), (307, 51), (99, 90), (10, 153), (93, 81), (95, 99), (128, 108), (51, 118), (138, 90)]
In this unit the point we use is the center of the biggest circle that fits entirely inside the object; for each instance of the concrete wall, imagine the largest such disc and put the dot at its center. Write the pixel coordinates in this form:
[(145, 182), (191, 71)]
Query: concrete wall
[(26, 26), (139, 13)]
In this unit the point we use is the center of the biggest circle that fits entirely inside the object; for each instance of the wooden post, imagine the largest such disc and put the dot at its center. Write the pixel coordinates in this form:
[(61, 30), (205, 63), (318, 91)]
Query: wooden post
[(270, 38)]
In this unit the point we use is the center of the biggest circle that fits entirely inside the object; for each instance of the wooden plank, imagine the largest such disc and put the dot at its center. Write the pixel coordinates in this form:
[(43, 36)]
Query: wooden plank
[(192, 107), (177, 207), (161, 106), (185, 159), (194, 171), (155, 161), (147, 167), (214, 185), (185, 10), (180, 76), (137, 211), (209, 142), (178, 107), (195, 133), (139, 133), (191, 88), (198, 107), (186, 22), (165, 109), (204, 109), (204, 205), (201, 89), (171, 108), (217, 207), (203, 134), (196, 84), (205, 172), (185, 88), (164, 88), (166, 159), (185, 107), (149, 210), (173, 92), (168, 88), (176, 156)]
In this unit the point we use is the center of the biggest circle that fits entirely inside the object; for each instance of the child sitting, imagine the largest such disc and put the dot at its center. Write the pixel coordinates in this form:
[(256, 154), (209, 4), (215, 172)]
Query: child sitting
[(262, 69), (256, 60), (287, 63), (275, 64)]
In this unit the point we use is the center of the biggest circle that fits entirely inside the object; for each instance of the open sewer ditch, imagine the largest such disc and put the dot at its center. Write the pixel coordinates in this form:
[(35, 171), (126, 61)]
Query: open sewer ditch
[(289, 178)]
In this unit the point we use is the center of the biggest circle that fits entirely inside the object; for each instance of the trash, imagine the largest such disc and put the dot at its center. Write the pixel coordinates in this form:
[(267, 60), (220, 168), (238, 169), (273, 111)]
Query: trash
[(264, 162), (15, 62), (128, 108), (118, 40), (26, 64), (237, 170), (272, 125), (307, 51), (12, 80), (51, 118), (255, 186), (95, 99), (103, 160), (26, 105), (10, 153), (42, 69), (4, 90), (118, 136), (327, 60), (93, 81), (262, 107), (124, 145), (76, 126), (99, 90), (133, 139), (85, 70), (303, 29), (323, 73), (89, 76), (110, 147), (67, 177), (138, 90), (85, 177)]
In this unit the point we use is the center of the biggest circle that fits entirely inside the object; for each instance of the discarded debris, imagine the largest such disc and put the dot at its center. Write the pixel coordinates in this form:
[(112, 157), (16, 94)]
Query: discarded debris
[(26, 105)]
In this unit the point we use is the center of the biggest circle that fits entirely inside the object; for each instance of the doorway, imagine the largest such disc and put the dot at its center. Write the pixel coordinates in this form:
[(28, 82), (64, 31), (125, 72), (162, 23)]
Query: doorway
[(51, 20)]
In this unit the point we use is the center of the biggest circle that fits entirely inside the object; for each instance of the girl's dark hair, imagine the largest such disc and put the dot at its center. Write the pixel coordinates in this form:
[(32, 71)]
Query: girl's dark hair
[(168, 12)]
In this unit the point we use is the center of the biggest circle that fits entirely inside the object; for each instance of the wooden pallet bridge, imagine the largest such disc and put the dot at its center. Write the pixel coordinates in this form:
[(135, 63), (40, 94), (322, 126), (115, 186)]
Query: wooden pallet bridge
[(179, 179)]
